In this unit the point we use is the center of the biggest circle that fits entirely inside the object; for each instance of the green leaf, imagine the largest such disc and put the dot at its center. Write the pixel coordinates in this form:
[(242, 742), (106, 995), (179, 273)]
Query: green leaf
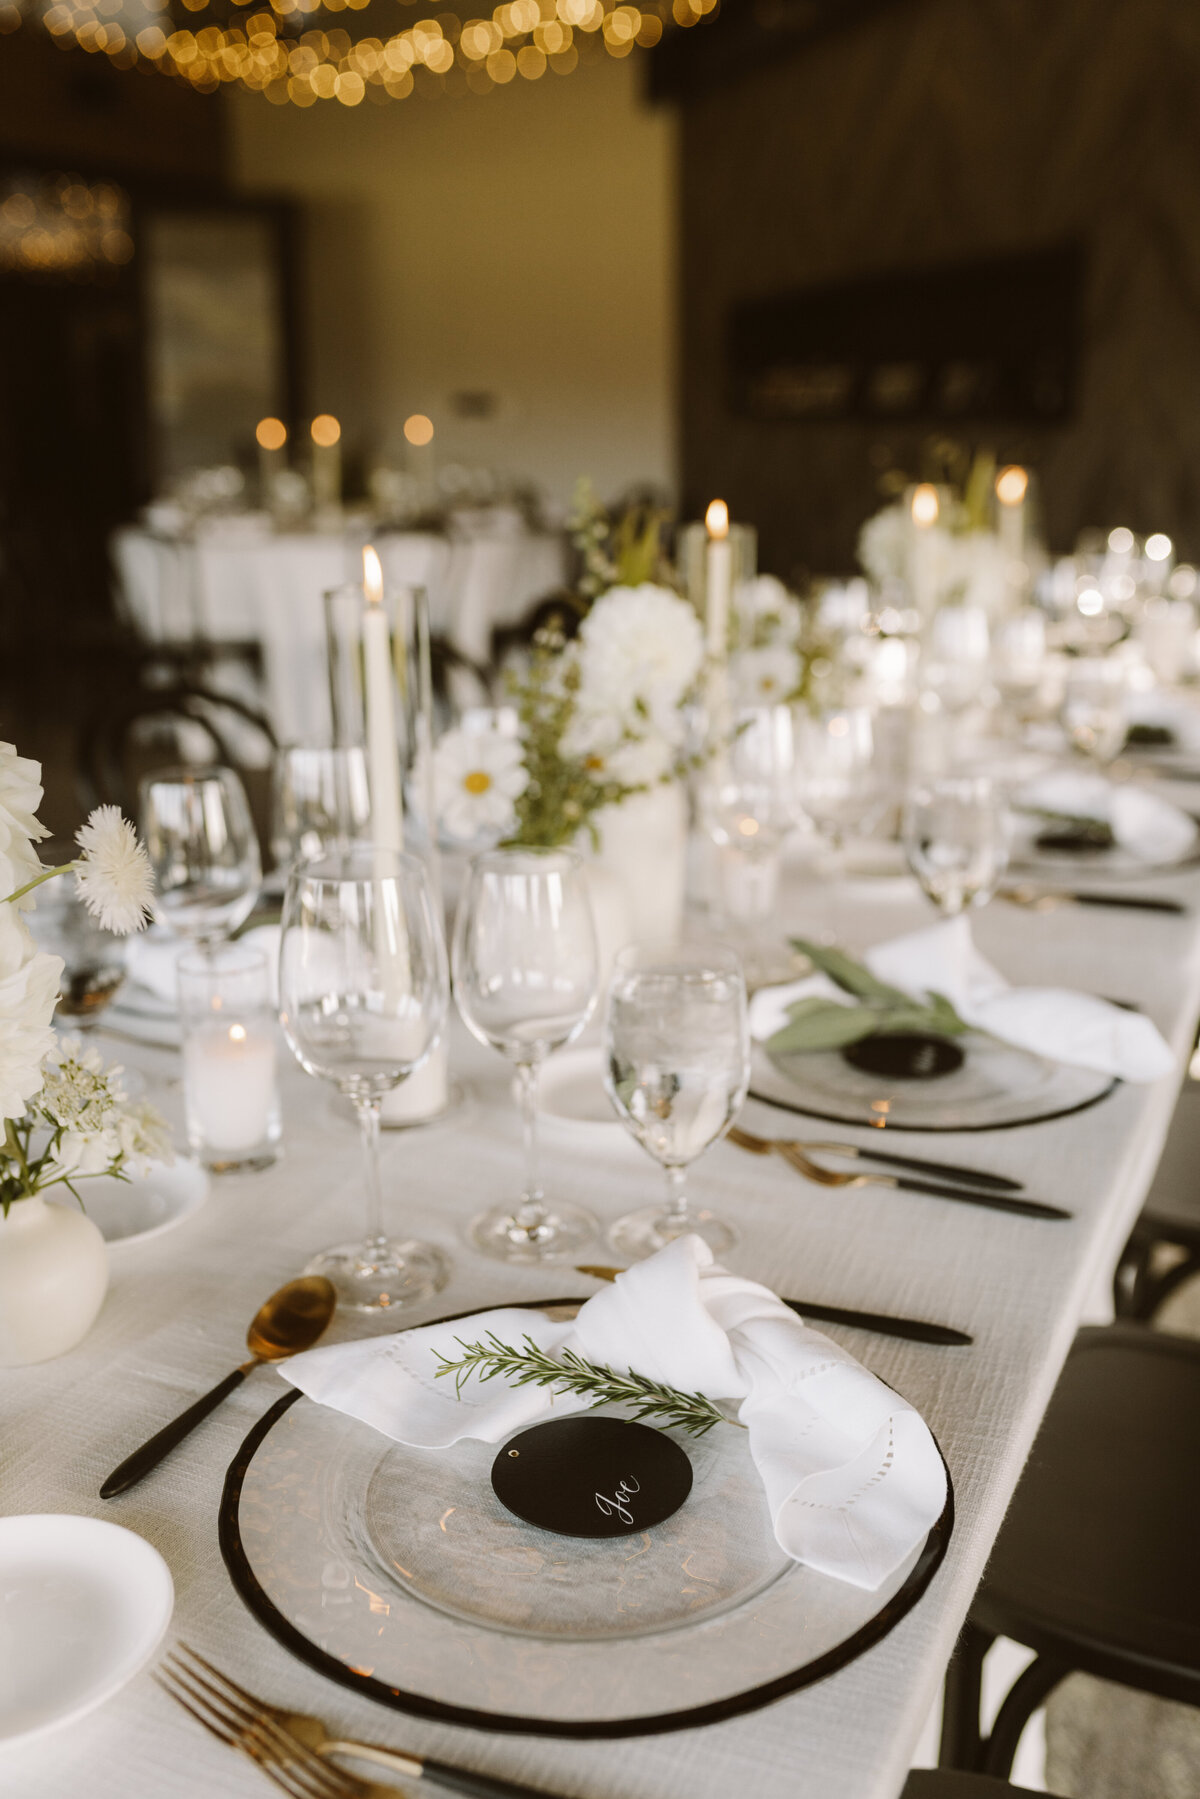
[(848, 974), (948, 1021), (823, 1024)]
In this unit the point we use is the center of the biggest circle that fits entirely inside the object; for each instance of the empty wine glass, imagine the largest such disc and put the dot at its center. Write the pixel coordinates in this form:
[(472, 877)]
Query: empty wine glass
[(1094, 707), (677, 1067), (835, 765), (363, 991), (525, 979), (749, 804), (957, 831), (320, 801), (954, 663), (204, 850)]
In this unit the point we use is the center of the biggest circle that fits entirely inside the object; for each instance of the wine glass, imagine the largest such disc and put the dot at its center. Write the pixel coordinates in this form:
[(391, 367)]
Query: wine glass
[(954, 666), (320, 801), (957, 831), (93, 959), (836, 777), (363, 992), (749, 805), (677, 1067), (1094, 706), (204, 850), (525, 979)]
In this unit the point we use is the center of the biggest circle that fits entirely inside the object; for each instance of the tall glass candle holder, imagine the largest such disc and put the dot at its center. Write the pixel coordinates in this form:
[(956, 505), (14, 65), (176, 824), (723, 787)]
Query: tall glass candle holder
[(230, 1079), (381, 702)]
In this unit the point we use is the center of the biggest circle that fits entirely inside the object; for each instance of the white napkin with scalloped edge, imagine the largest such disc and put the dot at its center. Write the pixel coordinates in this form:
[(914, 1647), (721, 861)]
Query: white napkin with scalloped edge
[(851, 1473), (1054, 1022)]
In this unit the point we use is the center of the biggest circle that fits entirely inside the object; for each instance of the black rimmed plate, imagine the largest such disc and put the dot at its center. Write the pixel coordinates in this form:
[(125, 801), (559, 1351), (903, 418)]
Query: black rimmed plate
[(997, 1087), (397, 1573)]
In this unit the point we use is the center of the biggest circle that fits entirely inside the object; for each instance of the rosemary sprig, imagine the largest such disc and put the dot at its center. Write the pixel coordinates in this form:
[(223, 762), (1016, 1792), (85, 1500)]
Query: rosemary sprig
[(534, 1367)]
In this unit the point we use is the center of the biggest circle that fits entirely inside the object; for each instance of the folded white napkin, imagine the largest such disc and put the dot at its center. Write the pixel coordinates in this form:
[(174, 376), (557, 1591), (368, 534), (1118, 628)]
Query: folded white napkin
[(151, 958), (1149, 827), (1048, 1021), (1173, 711), (851, 1473)]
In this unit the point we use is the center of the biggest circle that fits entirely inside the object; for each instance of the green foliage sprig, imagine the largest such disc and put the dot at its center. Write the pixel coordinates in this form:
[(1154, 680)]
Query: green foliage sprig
[(530, 1366), (815, 1023)]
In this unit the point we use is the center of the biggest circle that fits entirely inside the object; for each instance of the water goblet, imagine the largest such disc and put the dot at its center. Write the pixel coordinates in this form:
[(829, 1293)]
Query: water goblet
[(320, 801), (525, 981), (957, 831), (363, 991), (749, 804), (837, 782), (204, 851), (677, 1067), (1094, 707)]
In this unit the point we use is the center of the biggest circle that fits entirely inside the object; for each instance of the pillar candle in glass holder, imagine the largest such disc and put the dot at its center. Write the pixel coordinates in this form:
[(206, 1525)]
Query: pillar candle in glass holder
[(383, 745), (326, 436), (924, 511), (230, 1084), (719, 580)]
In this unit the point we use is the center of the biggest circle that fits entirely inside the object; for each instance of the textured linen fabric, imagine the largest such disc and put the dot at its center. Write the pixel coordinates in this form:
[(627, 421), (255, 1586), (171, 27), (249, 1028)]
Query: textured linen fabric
[(178, 1306)]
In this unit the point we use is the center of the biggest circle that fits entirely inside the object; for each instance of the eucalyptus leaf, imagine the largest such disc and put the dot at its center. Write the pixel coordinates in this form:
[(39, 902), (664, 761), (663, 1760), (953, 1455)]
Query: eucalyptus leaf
[(850, 975), (824, 1024)]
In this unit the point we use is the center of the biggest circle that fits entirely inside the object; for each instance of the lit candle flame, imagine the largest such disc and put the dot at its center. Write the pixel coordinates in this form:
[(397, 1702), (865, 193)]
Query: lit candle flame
[(716, 519), (1012, 483), (270, 434), (237, 1033), (372, 576), (325, 430), (925, 506)]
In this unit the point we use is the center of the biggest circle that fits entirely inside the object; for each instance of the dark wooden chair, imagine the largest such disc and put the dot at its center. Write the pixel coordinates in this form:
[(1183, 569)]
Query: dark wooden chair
[(1170, 1219), (1097, 1567), (943, 1783)]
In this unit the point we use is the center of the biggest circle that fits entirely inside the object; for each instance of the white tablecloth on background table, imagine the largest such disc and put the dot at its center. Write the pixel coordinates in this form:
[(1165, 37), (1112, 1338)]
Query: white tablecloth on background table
[(174, 1321), (235, 582)]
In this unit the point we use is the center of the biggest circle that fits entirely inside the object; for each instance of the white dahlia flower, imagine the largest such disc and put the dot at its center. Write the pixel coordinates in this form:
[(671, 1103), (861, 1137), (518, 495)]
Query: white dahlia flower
[(639, 650)]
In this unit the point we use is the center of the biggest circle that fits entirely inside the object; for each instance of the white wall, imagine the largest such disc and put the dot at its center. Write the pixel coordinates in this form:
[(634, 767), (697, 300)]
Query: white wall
[(520, 242)]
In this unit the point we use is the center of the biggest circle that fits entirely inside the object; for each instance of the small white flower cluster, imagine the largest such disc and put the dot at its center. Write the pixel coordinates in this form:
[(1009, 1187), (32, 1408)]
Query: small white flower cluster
[(639, 651), (768, 625), (962, 565), (101, 1129)]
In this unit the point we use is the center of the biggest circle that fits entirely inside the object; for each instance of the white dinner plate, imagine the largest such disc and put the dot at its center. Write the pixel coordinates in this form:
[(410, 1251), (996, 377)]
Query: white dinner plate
[(83, 1605), (145, 1205)]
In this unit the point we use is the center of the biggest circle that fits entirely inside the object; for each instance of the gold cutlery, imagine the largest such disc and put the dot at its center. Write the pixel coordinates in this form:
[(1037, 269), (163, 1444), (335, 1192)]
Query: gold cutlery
[(259, 1726), (1049, 899), (291, 1320), (795, 1154)]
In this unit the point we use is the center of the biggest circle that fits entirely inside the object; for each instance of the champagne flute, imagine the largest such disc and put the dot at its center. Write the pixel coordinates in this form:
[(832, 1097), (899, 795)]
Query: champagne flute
[(525, 979), (957, 831), (677, 1067), (363, 992), (202, 844)]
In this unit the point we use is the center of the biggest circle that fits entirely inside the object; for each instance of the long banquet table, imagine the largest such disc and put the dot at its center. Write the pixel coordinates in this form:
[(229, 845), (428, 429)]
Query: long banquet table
[(178, 1307)]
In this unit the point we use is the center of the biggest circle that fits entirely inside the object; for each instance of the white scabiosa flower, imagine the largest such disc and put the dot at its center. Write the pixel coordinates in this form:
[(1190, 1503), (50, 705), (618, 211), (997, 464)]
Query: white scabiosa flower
[(639, 650), (477, 777), (113, 875)]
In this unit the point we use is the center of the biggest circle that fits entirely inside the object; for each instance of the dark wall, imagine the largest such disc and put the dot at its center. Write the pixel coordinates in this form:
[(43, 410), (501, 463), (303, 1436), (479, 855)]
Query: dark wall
[(935, 131)]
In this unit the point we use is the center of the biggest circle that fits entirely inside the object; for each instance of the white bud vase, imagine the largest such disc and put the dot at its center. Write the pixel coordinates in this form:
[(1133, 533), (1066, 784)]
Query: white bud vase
[(643, 843), (53, 1278)]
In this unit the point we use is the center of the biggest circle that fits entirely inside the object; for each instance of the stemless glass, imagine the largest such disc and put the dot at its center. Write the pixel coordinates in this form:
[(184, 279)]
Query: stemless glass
[(363, 991), (525, 979), (198, 830), (957, 831), (677, 1067)]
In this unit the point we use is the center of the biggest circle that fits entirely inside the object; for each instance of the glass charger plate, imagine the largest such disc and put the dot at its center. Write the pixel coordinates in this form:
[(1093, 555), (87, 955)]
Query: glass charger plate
[(1113, 863), (397, 1572), (997, 1088)]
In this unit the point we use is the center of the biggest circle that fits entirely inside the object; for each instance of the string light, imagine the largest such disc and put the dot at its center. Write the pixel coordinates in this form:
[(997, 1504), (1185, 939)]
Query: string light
[(277, 51)]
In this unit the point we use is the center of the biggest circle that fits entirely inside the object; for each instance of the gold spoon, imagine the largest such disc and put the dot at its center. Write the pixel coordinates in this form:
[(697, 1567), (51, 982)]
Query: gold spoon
[(291, 1320)]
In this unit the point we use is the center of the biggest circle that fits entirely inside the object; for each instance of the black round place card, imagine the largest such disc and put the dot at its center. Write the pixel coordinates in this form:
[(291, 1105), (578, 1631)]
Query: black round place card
[(592, 1477), (906, 1056)]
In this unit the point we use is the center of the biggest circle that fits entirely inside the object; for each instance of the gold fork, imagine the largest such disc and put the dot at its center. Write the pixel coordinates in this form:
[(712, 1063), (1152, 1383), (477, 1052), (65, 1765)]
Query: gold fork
[(243, 1723), (309, 1739), (793, 1153)]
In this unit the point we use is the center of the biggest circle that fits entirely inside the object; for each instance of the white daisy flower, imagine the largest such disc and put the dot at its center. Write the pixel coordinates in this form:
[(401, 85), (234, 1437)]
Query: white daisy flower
[(764, 677), (114, 876), (477, 777)]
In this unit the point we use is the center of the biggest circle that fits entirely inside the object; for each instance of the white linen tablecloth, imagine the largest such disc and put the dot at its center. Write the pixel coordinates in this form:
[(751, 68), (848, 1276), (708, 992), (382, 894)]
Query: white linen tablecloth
[(178, 1306)]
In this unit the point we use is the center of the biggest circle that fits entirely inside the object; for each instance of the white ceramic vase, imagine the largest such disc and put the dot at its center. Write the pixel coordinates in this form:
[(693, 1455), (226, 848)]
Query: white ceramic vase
[(53, 1278), (643, 846)]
